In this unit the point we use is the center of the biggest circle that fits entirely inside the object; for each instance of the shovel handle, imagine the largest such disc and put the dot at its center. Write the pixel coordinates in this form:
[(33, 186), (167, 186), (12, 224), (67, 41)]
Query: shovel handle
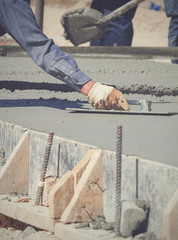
[(119, 11)]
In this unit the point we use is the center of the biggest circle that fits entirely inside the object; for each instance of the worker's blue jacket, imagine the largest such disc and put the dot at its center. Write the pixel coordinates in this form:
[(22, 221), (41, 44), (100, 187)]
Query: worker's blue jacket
[(171, 7), (18, 20), (111, 5)]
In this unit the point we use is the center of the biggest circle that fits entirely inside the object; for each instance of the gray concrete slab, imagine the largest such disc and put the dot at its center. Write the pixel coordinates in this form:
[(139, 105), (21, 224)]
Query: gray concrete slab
[(31, 98)]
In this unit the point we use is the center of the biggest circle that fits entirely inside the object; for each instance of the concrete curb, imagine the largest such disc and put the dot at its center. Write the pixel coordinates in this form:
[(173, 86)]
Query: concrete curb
[(38, 216), (27, 213), (69, 232), (130, 52)]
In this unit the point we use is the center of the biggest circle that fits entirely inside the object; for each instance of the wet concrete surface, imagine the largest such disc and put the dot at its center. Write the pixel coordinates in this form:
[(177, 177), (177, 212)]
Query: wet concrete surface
[(31, 98)]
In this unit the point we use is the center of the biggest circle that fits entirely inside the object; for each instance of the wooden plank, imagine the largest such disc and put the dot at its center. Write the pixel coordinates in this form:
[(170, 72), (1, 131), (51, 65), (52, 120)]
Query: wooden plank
[(14, 174), (170, 227), (87, 202), (63, 191)]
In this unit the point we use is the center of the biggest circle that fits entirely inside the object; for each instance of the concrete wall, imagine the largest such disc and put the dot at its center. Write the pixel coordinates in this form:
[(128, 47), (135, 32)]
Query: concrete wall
[(156, 182), (9, 136)]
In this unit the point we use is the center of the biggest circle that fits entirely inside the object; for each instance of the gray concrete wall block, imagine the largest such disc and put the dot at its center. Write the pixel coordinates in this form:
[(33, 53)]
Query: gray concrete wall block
[(128, 178), (109, 176), (109, 182), (71, 154), (157, 184), (10, 134)]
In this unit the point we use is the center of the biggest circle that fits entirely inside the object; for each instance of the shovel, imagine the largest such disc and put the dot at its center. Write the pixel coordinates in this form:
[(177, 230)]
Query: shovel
[(86, 24)]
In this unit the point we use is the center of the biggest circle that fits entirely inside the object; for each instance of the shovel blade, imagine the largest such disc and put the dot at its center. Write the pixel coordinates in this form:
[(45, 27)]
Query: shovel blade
[(80, 25)]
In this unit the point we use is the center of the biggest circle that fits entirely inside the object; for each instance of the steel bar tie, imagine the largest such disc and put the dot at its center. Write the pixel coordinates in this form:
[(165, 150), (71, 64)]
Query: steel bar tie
[(43, 170), (118, 181)]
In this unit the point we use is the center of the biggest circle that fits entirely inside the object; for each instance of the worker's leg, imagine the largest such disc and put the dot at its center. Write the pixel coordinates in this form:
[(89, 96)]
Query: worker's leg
[(120, 31), (173, 35), (17, 19), (2, 31), (171, 7)]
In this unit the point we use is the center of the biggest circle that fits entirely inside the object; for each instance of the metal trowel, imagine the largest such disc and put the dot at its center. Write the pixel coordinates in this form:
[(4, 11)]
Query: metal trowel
[(146, 109), (86, 24)]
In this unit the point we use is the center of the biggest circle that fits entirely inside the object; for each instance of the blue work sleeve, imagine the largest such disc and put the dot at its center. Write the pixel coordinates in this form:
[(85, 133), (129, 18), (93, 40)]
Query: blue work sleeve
[(18, 20)]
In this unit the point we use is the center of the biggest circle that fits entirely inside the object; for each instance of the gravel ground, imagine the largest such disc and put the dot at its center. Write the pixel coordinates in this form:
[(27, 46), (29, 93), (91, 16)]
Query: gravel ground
[(11, 229), (28, 234)]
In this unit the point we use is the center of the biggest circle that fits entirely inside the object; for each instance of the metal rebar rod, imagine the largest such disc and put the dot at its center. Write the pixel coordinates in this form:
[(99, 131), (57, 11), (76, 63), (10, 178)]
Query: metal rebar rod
[(39, 12), (137, 178), (118, 181), (43, 170), (58, 161)]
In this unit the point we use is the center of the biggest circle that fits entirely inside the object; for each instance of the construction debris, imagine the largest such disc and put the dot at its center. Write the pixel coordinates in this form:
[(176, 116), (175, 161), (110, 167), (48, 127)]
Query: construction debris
[(23, 199), (132, 219), (145, 236)]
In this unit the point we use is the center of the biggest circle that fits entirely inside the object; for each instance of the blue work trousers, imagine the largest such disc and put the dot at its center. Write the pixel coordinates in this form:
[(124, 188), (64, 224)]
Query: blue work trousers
[(120, 31), (17, 19), (171, 7)]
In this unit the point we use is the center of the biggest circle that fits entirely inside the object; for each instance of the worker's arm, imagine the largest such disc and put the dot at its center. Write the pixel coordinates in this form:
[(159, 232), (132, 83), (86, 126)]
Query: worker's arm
[(17, 19)]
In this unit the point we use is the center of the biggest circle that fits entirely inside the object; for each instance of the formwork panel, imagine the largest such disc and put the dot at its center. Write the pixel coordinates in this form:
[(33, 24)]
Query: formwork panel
[(154, 182)]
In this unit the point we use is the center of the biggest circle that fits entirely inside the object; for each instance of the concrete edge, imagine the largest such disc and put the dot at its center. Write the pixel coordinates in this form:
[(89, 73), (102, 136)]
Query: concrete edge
[(64, 231), (92, 146), (38, 216), (27, 213), (130, 52)]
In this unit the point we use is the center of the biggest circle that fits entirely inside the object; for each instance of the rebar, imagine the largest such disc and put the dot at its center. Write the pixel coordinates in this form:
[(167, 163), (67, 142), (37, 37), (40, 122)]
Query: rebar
[(43, 170), (117, 227), (39, 12), (137, 178), (58, 161)]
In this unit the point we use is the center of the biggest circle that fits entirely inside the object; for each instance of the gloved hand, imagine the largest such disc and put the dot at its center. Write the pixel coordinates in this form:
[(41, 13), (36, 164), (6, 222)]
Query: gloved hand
[(105, 97)]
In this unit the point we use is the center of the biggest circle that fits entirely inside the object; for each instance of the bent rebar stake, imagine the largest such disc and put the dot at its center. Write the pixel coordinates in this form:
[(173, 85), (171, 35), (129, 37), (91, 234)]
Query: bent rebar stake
[(118, 181), (39, 194)]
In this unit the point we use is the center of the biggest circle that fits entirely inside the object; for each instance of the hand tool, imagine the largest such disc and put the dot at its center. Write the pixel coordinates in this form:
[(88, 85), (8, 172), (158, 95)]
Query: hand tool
[(144, 110), (86, 24), (98, 111)]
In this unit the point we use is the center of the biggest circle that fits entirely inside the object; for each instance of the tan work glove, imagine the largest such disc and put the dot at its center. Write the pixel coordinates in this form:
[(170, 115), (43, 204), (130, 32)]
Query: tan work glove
[(105, 97)]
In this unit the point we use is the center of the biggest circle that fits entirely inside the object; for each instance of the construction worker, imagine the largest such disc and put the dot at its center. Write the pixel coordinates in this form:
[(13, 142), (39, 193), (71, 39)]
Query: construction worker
[(120, 31), (17, 19), (171, 7)]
